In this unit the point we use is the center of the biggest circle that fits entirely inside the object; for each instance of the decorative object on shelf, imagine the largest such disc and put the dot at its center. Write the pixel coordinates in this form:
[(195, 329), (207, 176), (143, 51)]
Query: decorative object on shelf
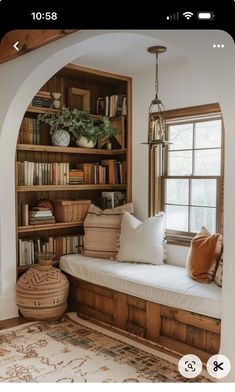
[(56, 100), (71, 210), (44, 203), (59, 123), (83, 142), (42, 291), (84, 129), (79, 99), (107, 132), (60, 138), (156, 117)]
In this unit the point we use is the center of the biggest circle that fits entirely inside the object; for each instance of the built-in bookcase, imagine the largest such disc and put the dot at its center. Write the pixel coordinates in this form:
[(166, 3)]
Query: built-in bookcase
[(65, 237)]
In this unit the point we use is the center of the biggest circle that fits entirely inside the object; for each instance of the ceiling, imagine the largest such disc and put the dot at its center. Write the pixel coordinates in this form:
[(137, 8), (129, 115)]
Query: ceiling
[(124, 53)]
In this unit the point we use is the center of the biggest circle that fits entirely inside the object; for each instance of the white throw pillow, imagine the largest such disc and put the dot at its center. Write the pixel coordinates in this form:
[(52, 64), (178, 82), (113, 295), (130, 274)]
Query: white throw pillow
[(142, 242)]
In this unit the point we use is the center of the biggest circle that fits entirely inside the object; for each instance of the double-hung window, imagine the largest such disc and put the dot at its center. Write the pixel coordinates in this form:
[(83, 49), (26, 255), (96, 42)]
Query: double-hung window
[(192, 181)]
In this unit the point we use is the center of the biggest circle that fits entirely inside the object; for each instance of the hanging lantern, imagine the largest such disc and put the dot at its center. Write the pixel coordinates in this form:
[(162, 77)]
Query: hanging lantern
[(157, 121)]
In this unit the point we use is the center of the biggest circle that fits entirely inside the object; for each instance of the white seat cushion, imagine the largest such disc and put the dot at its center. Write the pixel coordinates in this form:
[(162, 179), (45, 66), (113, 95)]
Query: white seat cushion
[(164, 284)]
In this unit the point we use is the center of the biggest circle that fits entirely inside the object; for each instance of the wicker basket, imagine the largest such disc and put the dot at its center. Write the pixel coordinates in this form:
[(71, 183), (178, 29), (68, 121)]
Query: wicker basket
[(71, 210)]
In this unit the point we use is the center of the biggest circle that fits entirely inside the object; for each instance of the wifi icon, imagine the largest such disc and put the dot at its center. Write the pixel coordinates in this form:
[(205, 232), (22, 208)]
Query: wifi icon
[(188, 15)]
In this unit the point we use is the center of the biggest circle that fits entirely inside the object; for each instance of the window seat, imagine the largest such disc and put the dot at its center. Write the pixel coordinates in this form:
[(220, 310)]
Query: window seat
[(158, 303), (165, 284)]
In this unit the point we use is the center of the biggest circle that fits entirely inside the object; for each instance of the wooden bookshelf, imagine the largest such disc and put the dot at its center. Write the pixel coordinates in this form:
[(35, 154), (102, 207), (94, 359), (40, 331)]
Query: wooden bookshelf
[(100, 84)]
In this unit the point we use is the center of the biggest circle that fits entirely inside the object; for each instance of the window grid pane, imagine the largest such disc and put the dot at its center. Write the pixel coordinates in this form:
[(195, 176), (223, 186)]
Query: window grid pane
[(200, 192)]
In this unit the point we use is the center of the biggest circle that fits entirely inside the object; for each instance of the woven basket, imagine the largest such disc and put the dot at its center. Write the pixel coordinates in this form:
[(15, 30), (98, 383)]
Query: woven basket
[(71, 210)]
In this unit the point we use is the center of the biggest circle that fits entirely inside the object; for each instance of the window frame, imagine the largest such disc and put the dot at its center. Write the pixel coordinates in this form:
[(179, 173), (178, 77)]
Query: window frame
[(158, 159)]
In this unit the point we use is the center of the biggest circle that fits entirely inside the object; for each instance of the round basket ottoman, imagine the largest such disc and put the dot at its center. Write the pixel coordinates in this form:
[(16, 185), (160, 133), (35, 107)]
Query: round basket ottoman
[(42, 291)]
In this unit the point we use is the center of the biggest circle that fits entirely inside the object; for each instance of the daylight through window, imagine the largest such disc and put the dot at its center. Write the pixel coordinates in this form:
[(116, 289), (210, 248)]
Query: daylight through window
[(193, 171)]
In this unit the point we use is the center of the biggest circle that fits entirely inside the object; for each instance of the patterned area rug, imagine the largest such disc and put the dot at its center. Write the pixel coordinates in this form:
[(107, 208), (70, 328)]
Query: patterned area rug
[(74, 350)]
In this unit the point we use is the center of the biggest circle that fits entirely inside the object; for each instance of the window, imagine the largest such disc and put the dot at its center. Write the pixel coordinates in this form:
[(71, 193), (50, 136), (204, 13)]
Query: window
[(192, 178)]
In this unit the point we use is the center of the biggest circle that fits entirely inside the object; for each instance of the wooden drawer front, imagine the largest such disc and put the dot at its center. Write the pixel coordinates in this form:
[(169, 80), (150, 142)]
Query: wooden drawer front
[(195, 330), (212, 343), (136, 319), (190, 318), (173, 329), (95, 303), (196, 337)]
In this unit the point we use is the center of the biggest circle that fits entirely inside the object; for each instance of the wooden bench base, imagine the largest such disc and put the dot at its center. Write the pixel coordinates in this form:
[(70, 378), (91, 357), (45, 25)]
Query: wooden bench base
[(179, 330)]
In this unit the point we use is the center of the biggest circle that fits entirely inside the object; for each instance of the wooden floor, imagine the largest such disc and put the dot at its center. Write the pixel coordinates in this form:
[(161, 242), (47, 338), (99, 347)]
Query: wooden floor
[(13, 322)]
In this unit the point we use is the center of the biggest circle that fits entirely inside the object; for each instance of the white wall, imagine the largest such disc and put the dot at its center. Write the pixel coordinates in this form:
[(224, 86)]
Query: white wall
[(22, 77)]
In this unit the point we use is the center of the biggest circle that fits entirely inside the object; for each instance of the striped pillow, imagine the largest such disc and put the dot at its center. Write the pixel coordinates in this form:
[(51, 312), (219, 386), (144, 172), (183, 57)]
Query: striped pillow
[(102, 230)]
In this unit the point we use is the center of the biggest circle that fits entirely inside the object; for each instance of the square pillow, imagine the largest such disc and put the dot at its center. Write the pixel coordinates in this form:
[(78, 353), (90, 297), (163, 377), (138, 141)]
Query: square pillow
[(203, 256), (219, 273), (102, 230), (142, 242)]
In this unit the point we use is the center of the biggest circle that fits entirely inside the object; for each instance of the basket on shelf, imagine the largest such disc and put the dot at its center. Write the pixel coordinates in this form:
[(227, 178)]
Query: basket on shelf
[(71, 210)]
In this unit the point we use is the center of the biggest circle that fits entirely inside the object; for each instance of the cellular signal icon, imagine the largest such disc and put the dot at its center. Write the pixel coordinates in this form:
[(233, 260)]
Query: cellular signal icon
[(175, 16), (188, 15)]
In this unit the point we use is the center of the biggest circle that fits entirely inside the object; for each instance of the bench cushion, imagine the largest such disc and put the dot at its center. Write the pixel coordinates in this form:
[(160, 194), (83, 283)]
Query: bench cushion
[(164, 284)]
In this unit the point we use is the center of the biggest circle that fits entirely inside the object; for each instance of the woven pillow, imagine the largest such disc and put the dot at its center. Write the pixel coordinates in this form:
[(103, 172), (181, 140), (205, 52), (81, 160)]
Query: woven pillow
[(203, 256), (219, 273), (102, 230), (142, 242)]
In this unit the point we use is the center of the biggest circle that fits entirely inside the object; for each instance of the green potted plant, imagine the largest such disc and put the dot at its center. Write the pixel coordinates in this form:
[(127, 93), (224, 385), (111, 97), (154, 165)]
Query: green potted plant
[(59, 124), (80, 124), (83, 129), (107, 132)]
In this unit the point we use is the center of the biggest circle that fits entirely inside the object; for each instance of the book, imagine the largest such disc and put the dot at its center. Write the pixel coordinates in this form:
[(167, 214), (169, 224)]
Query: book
[(25, 215)]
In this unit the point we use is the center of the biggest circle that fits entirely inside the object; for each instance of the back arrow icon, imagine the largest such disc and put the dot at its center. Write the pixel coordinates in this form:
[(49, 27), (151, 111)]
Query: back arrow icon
[(16, 46)]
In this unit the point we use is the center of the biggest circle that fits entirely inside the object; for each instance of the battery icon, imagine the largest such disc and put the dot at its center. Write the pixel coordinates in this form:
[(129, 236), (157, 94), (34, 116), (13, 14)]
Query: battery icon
[(205, 15)]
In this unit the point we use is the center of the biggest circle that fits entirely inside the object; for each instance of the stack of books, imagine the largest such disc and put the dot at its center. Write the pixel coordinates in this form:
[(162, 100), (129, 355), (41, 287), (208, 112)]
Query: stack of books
[(41, 216), (43, 100), (76, 176)]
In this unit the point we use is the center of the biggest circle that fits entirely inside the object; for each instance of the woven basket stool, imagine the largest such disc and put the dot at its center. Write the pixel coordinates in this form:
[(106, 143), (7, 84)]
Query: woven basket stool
[(42, 291)]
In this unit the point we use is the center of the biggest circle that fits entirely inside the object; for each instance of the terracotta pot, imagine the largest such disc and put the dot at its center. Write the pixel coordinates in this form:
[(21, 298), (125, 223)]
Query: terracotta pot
[(42, 291)]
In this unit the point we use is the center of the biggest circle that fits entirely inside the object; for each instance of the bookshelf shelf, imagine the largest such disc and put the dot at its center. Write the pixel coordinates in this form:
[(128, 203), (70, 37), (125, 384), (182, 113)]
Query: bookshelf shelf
[(39, 162), (52, 226), (68, 150), (36, 109), (85, 187)]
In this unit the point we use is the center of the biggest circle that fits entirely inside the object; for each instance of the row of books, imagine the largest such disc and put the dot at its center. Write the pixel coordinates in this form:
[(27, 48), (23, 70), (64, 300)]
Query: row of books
[(108, 171), (29, 131), (61, 245), (42, 173), (112, 106)]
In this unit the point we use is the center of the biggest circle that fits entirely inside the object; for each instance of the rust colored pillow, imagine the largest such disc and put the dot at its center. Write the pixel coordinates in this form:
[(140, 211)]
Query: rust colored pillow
[(204, 253)]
